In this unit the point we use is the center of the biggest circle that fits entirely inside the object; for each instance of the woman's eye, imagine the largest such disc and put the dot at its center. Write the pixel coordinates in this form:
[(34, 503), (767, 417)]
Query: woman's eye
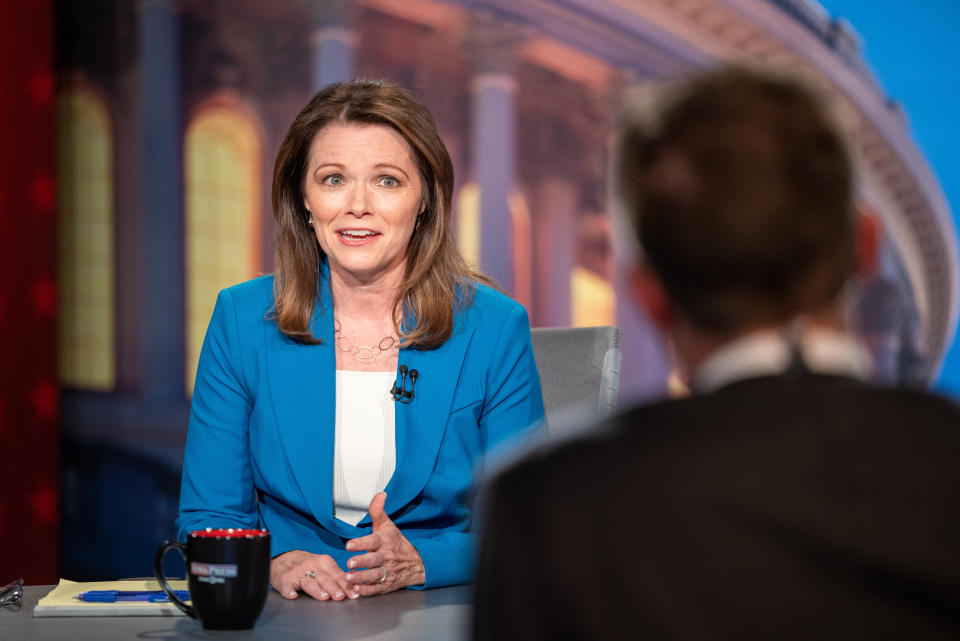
[(389, 181), (333, 179)]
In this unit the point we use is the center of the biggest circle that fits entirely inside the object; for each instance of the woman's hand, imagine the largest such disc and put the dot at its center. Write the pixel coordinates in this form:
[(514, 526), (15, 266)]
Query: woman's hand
[(316, 574), (392, 560)]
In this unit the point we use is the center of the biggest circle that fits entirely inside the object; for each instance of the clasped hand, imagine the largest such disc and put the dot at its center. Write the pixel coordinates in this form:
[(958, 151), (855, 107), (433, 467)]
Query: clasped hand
[(388, 562)]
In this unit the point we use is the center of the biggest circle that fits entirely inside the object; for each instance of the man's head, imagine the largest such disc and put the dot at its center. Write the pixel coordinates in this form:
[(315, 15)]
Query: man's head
[(740, 193)]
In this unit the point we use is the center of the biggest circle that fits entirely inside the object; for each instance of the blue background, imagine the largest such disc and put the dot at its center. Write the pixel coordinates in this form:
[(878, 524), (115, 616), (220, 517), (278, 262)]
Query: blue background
[(913, 49)]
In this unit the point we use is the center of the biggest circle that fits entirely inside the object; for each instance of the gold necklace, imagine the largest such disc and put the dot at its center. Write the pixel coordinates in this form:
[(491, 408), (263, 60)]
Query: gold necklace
[(362, 353)]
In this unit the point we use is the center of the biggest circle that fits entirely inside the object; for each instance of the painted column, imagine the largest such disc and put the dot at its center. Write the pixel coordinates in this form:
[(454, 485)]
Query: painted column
[(333, 43), (128, 243), (162, 295), (493, 42), (555, 249), (646, 363)]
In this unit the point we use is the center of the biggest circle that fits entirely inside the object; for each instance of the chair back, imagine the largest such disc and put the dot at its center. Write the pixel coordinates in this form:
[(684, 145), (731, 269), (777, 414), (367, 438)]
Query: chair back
[(579, 370)]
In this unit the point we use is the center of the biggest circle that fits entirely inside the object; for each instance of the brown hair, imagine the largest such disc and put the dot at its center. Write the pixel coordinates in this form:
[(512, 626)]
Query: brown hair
[(740, 193), (436, 280)]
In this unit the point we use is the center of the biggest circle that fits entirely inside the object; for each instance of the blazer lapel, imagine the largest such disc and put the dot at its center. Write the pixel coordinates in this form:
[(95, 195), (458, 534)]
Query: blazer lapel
[(302, 380), (421, 423)]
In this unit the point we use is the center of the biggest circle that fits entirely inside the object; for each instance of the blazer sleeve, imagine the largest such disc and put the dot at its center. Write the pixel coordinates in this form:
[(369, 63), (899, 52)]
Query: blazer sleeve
[(513, 406), (217, 485), (513, 401), (448, 559)]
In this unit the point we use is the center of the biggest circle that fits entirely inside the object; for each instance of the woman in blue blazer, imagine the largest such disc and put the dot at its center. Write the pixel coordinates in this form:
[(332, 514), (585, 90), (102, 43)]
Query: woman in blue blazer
[(368, 286)]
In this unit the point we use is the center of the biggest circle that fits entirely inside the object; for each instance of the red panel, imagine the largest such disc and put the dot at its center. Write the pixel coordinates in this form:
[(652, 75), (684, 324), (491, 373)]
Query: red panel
[(29, 423)]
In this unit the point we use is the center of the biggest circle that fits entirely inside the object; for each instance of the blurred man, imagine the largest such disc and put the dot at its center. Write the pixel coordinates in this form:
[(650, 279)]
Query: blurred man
[(786, 498)]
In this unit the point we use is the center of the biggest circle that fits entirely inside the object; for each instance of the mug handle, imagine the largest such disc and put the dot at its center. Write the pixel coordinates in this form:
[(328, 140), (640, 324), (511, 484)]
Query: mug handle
[(158, 572)]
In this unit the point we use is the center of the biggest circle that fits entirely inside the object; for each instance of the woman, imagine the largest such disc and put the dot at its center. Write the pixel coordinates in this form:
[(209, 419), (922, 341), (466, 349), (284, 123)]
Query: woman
[(373, 359)]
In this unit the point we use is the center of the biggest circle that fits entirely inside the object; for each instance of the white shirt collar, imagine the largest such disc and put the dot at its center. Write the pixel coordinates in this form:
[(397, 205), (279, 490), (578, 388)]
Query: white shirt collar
[(768, 353)]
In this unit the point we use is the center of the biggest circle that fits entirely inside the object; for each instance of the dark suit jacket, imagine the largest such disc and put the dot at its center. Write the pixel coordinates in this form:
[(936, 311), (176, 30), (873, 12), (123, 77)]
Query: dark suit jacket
[(810, 507)]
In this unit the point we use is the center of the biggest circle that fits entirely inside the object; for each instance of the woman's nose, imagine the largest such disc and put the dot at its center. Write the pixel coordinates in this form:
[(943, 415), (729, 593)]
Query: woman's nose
[(358, 201)]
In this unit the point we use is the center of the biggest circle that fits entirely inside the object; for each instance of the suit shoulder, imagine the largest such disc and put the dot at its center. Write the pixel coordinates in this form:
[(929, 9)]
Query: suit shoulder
[(249, 303), (493, 305), (915, 403), (254, 293), (586, 444), (862, 399)]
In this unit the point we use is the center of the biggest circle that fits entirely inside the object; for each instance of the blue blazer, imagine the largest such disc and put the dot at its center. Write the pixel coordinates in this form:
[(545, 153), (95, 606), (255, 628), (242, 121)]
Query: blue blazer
[(260, 444)]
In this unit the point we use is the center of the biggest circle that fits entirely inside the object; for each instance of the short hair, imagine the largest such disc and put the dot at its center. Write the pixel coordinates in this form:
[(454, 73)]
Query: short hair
[(740, 193), (436, 279)]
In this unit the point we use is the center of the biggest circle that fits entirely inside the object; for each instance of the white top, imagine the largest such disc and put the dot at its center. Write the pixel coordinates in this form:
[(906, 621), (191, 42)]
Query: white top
[(765, 353), (364, 455)]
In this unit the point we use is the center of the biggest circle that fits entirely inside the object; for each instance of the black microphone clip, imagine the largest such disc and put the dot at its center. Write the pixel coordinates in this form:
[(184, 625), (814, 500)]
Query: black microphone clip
[(400, 393)]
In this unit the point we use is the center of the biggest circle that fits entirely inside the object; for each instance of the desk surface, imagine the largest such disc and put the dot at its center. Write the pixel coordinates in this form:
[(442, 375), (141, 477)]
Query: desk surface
[(442, 613)]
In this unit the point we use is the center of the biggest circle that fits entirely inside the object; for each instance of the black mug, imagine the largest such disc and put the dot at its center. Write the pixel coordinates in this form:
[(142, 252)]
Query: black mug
[(228, 573)]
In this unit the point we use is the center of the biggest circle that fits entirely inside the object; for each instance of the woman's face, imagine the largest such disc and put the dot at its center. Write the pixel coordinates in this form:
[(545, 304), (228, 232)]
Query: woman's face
[(364, 192)]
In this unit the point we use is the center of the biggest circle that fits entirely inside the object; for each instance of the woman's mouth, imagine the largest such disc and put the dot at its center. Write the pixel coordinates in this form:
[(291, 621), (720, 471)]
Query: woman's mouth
[(357, 236)]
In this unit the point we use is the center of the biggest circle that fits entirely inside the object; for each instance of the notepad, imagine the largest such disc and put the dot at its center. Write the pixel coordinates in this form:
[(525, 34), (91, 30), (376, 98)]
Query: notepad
[(61, 601)]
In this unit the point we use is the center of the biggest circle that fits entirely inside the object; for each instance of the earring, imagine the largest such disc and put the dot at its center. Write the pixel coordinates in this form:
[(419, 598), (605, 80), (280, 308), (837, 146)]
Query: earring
[(419, 220), (310, 220)]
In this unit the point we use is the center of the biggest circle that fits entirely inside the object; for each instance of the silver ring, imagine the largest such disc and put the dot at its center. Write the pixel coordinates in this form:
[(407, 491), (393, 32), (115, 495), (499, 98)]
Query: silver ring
[(384, 577), (311, 574)]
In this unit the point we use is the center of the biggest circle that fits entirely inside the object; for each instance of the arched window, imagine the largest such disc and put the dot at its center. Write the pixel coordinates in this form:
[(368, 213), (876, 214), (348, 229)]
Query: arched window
[(592, 297), (468, 237), (468, 223), (522, 248), (222, 161), (87, 349)]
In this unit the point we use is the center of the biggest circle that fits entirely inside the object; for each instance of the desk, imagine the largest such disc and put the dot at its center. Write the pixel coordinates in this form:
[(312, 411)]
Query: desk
[(407, 615)]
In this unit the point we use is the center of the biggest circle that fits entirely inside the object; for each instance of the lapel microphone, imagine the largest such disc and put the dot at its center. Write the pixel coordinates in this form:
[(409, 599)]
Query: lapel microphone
[(400, 393)]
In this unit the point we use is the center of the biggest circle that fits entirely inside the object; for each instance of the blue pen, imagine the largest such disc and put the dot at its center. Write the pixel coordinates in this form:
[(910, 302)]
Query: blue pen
[(112, 596)]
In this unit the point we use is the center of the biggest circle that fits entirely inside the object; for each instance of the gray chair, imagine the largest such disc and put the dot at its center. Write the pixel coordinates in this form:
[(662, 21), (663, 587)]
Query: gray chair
[(579, 371)]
